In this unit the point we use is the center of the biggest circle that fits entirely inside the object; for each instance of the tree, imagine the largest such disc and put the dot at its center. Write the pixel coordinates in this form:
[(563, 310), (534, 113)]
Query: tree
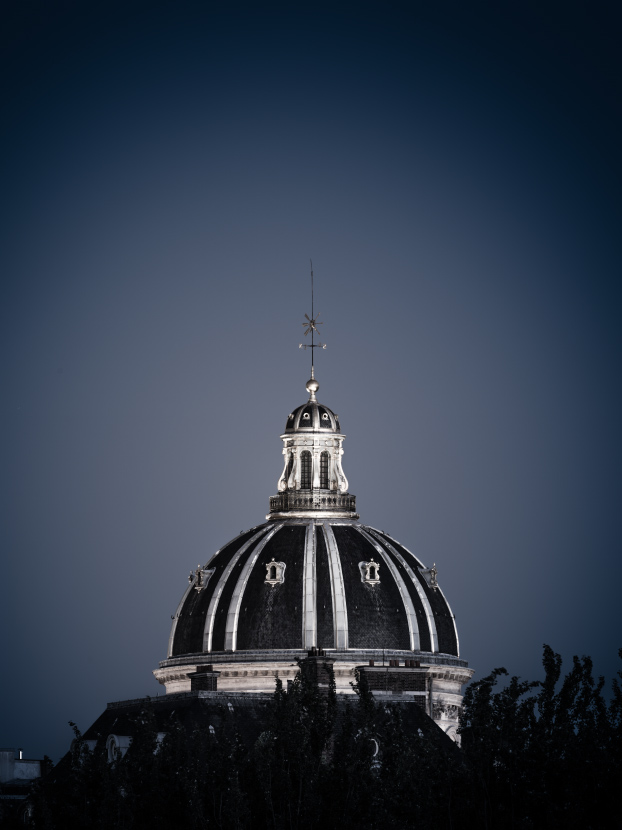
[(540, 752), (535, 754)]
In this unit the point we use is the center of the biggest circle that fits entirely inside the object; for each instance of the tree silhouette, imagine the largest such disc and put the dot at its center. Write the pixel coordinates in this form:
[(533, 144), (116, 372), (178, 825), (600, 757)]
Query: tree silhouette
[(535, 754)]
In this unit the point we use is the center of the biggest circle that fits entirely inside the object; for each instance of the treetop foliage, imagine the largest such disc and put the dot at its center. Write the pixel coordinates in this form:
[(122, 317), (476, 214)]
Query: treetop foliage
[(535, 754)]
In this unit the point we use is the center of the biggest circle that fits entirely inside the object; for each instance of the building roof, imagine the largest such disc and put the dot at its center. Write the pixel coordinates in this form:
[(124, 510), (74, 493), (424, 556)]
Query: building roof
[(312, 416), (300, 583)]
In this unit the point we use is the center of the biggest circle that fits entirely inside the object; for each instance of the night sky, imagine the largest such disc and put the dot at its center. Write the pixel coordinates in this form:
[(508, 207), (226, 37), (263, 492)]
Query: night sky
[(168, 170)]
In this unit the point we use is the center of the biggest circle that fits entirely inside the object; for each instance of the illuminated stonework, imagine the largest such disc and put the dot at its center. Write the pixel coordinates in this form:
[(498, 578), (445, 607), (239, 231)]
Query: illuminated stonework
[(313, 577)]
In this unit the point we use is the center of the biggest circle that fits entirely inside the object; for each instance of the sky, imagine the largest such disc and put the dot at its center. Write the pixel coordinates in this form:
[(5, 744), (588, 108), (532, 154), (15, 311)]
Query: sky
[(168, 171)]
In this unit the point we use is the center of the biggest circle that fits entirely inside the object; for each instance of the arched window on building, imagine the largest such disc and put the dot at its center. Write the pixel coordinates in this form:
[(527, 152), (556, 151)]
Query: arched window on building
[(290, 466), (324, 470), (305, 470)]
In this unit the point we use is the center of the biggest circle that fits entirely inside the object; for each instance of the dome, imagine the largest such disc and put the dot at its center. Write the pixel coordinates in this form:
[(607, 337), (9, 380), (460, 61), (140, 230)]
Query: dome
[(300, 584), (312, 416), (313, 578)]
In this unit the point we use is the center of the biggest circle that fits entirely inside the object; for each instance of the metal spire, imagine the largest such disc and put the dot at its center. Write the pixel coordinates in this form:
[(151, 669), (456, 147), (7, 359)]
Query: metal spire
[(311, 325)]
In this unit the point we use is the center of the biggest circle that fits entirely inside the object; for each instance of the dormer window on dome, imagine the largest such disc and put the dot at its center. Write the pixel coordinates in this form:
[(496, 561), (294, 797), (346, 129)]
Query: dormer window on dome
[(370, 572), (200, 577), (430, 574), (275, 572)]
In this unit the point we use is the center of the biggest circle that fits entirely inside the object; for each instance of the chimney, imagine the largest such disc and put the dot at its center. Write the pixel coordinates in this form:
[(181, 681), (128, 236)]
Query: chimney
[(204, 679), (315, 667)]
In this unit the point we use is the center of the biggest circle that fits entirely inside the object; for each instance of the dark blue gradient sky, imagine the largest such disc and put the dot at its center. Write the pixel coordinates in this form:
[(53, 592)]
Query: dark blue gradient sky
[(168, 170)]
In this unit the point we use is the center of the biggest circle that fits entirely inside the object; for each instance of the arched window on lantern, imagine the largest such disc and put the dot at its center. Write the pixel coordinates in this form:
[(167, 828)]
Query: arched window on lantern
[(324, 470), (305, 470)]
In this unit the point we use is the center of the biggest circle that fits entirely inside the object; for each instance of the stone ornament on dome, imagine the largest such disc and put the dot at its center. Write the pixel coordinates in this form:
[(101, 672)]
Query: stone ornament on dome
[(430, 575), (275, 572), (370, 572), (200, 577)]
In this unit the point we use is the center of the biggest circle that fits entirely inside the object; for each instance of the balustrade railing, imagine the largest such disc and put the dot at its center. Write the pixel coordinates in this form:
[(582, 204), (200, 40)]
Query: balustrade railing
[(312, 500)]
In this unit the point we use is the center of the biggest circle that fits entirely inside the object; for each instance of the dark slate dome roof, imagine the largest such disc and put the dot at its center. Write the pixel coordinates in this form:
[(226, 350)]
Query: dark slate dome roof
[(312, 416), (339, 584)]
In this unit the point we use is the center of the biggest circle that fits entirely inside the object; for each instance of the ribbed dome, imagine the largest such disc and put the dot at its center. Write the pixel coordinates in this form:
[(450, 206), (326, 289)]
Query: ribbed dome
[(296, 584), (312, 577), (312, 416)]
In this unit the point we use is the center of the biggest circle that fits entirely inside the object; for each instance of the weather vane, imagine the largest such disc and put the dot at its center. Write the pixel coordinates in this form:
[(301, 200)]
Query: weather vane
[(311, 325)]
